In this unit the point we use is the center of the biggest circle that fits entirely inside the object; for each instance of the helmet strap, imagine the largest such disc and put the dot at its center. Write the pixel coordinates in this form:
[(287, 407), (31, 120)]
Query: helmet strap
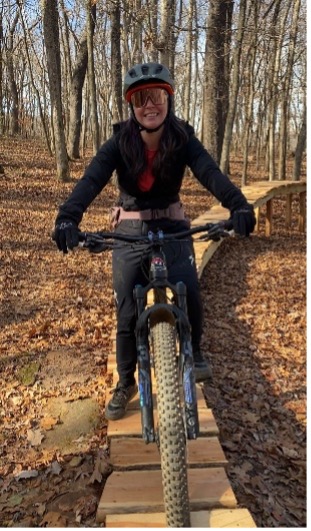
[(141, 128)]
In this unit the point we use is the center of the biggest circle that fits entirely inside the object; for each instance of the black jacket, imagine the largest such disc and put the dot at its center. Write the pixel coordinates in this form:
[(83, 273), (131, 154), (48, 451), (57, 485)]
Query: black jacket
[(108, 159)]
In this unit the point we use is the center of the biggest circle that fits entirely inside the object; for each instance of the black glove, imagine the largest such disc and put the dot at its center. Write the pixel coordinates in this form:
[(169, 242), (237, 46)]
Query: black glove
[(66, 235), (244, 220)]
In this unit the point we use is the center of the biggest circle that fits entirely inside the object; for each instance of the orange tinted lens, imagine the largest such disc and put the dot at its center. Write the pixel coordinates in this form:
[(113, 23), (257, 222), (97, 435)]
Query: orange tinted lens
[(158, 96)]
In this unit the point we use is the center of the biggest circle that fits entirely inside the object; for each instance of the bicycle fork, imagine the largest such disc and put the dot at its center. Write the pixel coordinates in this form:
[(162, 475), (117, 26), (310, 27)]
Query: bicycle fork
[(186, 366), (185, 363), (144, 369)]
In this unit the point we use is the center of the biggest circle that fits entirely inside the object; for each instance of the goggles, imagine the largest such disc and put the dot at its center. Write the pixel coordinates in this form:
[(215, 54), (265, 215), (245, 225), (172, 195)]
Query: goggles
[(158, 94)]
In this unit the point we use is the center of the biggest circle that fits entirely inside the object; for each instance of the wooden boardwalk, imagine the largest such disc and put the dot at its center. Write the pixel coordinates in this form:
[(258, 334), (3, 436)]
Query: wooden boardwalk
[(132, 496), (260, 194)]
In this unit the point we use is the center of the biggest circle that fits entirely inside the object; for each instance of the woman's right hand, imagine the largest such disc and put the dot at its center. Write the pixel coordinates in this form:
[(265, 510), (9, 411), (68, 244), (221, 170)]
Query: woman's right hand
[(66, 235)]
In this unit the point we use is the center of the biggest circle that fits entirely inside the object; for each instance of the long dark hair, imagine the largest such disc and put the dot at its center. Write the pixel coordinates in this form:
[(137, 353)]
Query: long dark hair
[(173, 139)]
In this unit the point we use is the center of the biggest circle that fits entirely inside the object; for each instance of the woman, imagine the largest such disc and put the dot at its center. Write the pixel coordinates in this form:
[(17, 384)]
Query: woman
[(150, 153)]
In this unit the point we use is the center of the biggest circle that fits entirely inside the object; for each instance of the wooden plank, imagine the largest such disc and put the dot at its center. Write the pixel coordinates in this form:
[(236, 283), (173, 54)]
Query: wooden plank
[(130, 424), (215, 518), (153, 520), (141, 491), (131, 453), (232, 518), (202, 404), (111, 364), (204, 252)]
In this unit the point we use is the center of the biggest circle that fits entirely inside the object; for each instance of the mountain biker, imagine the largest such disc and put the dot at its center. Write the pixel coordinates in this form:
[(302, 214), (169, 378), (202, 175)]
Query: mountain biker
[(150, 152)]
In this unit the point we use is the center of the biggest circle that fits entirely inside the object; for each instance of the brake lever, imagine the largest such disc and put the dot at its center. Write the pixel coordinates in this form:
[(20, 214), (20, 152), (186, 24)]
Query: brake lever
[(93, 243)]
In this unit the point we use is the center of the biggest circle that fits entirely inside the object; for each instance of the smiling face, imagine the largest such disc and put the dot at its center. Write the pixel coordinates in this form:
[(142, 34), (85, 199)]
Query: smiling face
[(151, 115)]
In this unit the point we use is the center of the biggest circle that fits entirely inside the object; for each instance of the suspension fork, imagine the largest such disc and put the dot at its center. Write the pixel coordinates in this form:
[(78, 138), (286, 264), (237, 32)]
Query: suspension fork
[(144, 370), (186, 366)]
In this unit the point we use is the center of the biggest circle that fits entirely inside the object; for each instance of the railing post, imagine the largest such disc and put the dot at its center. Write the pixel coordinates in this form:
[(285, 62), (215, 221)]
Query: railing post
[(302, 211), (257, 214), (269, 213), (288, 213)]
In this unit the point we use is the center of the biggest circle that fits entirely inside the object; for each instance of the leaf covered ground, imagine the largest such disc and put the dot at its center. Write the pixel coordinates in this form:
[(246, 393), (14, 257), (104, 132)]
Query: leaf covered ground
[(56, 325)]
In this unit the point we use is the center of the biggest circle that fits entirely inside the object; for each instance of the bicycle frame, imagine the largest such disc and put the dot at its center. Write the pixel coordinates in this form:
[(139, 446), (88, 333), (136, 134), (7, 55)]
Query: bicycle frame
[(174, 313)]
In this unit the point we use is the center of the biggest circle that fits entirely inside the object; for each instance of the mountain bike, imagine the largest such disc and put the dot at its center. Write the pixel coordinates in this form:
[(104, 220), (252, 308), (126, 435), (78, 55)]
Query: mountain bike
[(163, 339)]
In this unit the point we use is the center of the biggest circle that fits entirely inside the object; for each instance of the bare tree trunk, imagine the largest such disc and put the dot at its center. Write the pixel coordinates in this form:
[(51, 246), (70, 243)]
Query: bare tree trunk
[(66, 39), (138, 35), (116, 63), (1, 73), (75, 100), (225, 153), (85, 119), (91, 17), (286, 91), (216, 82), (51, 40), (249, 82), (249, 100), (37, 95), (11, 77), (301, 145), (277, 31), (152, 29), (66, 64), (188, 76), (196, 77), (166, 37)]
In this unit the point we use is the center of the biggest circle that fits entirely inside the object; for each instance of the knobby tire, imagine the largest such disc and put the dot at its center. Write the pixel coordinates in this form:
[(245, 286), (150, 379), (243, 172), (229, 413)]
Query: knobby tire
[(171, 427)]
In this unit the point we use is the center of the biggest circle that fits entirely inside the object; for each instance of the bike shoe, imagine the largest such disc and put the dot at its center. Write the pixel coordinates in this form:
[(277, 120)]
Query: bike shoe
[(117, 406), (202, 368)]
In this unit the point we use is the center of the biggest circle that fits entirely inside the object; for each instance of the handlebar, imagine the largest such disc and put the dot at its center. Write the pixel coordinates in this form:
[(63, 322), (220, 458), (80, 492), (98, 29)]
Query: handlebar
[(100, 241)]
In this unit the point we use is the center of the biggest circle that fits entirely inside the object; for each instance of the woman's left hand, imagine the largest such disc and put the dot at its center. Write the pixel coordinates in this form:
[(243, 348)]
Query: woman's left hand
[(244, 220)]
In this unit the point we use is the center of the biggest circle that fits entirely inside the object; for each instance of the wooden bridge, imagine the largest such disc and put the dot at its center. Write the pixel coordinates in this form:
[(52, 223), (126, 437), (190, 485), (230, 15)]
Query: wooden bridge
[(132, 496)]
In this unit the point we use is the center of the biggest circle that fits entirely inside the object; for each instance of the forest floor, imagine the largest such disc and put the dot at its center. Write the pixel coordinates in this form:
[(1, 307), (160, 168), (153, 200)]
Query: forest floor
[(56, 324)]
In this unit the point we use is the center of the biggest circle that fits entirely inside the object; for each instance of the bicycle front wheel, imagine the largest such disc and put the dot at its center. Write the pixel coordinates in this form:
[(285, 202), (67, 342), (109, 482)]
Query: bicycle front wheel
[(170, 426)]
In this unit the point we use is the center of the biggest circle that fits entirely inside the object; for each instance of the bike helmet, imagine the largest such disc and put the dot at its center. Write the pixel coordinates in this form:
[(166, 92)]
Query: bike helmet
[(153, 73), (148, 73)]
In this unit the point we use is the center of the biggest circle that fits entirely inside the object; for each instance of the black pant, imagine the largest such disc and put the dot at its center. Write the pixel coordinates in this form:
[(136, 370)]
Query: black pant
[(130, 267)]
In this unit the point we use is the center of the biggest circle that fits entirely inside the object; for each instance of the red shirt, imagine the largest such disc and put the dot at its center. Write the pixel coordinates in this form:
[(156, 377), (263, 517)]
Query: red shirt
[(146, 179)]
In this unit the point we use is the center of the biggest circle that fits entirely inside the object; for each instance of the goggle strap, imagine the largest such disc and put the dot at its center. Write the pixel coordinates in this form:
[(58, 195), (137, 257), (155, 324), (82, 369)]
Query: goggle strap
[(148, 86)]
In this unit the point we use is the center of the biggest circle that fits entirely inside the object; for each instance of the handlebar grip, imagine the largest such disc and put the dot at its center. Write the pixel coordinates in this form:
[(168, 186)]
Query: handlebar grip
[(226, 225), (82, 237)]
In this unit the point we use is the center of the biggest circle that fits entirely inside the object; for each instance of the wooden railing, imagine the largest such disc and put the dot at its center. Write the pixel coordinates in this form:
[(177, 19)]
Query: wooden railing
[(258, 194)]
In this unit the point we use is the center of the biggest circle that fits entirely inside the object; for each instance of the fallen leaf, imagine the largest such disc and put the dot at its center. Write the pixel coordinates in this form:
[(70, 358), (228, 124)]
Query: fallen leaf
[(55, 468), (35, 437), (27, 474), (48, 423), (54, 519)]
